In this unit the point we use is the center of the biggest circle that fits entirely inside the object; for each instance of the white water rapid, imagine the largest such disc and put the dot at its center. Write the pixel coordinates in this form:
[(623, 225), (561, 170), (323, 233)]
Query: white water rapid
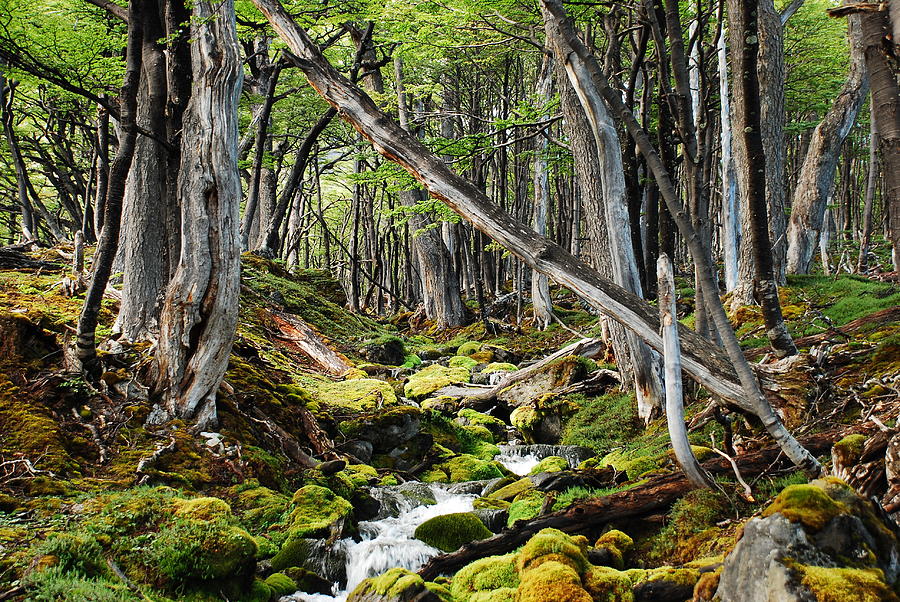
[(518, 465), (389, 542)]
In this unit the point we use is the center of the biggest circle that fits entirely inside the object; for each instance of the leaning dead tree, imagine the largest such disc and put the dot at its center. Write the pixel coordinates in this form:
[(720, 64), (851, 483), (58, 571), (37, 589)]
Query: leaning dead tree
[(701, 359)]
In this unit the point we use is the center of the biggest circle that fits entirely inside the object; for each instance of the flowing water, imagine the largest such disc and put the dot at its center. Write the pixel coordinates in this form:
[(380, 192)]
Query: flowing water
[(389, 542)]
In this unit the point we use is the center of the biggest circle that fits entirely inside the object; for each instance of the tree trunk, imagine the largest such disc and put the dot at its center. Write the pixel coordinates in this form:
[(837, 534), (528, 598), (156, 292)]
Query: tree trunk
[(862, 264), (29, 230), (817, 174), (200, 313), (115, 190), (440, 281), (668, 317), (540, 285), (731, 225), (145, 233), (876, 26), (745, 36), (645, 363)]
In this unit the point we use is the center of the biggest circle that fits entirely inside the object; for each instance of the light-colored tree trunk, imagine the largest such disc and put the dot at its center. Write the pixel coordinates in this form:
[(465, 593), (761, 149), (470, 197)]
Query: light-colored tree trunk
[(817, 174), (645, 362), (540, 285), (731, 225), (200, 313), (865, 238), (668, 313)]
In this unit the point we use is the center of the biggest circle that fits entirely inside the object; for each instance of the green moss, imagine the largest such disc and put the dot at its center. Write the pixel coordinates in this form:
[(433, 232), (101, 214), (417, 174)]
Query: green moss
[(354, 395), (807, 504), (618, 544), (485, 575), (360, 474), (428, 380), (260, 508), (484, 503), (293, 553), (462, 361), (525, 507), (469, 348), (391, 585), (449, 532), (202, 508), (845, 585), (552, 580), (473, 417), (850, 447), (512, 490), (30, 429), (316, 512), (440, 590), (464, 467), (75, 552), (190, 549), (499, 367), (553, 542), (56, 584), (281, 584), (411, 361), (550, 464), (524, 418), (608, 585), (631, 462)]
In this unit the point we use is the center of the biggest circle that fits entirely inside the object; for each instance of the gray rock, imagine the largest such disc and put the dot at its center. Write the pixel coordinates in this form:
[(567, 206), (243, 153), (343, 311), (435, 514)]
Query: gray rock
[(493, 519), (471, 487)]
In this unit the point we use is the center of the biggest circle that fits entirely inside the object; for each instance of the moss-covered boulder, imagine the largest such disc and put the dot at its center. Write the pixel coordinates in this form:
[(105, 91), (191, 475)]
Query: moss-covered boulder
[(428, 380), (317, 512), (385, 429), (188, 550), (616, 544), (396, 585), (449, 532), (259, 507), (385, 349), (552, 377), (494, 425), (552, 580), (464, 467), (353, 396), (550, 464), (462, 361), (525, 506), (818, 541), (494, 367), (495, 576)]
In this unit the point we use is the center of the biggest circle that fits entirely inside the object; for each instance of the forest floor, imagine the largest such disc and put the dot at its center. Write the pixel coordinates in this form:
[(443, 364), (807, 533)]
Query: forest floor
[(97, 504)]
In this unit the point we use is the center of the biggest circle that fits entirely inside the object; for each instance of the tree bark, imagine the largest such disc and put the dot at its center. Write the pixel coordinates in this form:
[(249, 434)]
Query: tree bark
[(731, 225), (876, 27), (440, 280), (115, 190), (199, 316), (668, 317), (745, 42), (817, 173), (29, 230), (865, 238), (540, 285)]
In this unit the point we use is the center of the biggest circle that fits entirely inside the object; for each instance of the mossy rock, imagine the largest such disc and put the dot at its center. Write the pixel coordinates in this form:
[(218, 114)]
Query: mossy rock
[(462, 361), (847, 451), (508, 492), (550, 464), (203, 508), (618, 544), (632, 462), (468, 348), (486, 503), (608, 585), (464, 467), (499, 367), (552, 580), (525, 506), (260, 508), (386, 349), (281, 584), (557, 546), (806, 504), (449, 532), (485, 575), (355, 395), (190, 550), (829, 584), (396, 585), (428, 380), (561, 373), (317, 512), (493, 424)]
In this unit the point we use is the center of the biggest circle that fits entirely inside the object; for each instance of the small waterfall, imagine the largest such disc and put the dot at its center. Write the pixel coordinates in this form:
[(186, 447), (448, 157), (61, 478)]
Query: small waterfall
[(520, 459), (389, 542)]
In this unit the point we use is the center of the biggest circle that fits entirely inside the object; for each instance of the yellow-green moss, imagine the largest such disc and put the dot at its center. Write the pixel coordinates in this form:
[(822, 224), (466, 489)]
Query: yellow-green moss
[(449, 532), (845, 585), (428, 380), (498, 367), (512, 490), (608, 585), (551, 580), (553, 541), (484, 575), (550, 464), (281, 584), (353, 395), (202, 508), (850, 447), (462, 361), (525, 506), (316, 511), (391, 584), (360, 474), (464, 467), (260, 508), (807, 504), (618, 544), (468, 348)]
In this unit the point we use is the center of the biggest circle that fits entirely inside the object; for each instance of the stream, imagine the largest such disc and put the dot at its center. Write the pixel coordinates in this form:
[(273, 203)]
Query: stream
[(387, 541)]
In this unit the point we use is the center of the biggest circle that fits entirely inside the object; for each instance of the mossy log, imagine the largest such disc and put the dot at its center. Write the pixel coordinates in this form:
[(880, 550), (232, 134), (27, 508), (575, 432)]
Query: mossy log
[(298, 333), (13, 259), (593, 514)]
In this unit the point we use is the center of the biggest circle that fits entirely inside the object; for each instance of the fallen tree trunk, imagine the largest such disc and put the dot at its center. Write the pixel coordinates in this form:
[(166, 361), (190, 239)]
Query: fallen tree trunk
[(585, 347), (593, 514), (298, 332)]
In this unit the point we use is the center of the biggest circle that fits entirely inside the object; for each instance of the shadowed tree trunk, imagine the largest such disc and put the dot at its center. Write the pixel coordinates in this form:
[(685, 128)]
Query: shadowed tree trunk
[(200, 313), (115, 190), (745, 41), (817, 174)]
